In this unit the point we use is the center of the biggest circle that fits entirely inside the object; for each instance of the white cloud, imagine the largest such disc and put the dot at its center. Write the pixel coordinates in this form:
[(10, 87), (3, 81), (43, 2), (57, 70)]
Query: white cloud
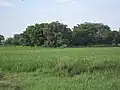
[(66, 1), (5, 4)]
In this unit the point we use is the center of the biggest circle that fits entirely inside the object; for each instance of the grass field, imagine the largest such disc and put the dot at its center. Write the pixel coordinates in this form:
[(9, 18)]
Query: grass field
[(26, 68)]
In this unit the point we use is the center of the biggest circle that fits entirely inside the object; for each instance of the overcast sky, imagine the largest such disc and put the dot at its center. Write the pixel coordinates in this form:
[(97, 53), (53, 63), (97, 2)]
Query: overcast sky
[(16, 15)]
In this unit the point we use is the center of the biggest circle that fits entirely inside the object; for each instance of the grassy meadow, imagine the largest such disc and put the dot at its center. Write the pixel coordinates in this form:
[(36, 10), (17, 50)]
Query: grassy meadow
[(26, 68)]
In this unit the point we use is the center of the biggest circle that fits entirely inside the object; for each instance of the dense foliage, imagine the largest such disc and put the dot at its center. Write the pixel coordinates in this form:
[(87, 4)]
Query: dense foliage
[(56, 34), (1, 38)]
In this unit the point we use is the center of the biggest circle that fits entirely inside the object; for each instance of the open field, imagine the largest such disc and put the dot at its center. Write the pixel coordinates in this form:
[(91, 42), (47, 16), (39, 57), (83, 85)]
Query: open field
[(26, 68)]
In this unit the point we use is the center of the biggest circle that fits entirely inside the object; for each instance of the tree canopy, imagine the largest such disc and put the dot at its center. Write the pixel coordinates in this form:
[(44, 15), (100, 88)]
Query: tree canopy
[(1, 38), (56, 34)]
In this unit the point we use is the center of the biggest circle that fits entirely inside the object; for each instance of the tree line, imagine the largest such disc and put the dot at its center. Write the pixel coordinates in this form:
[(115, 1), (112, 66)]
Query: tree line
[(56, 34)]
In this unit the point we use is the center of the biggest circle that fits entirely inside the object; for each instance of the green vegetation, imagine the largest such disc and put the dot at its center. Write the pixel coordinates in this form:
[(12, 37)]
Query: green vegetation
[(56, 34), (26, 68), (1, 38)]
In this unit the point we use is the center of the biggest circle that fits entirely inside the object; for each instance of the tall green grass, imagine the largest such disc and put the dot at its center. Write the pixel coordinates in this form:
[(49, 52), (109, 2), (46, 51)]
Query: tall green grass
[(61, 69)]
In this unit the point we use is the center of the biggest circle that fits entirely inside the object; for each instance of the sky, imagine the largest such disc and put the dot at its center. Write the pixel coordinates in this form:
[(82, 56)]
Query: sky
[(16, 15)]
